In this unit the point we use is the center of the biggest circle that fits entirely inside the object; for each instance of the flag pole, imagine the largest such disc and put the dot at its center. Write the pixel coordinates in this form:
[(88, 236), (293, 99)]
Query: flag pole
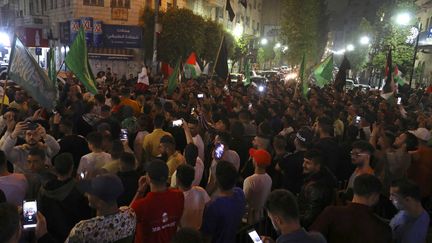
[(60, 68), (222, 40)]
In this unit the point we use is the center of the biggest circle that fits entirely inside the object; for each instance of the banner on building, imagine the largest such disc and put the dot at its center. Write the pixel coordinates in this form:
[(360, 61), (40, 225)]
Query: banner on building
[(122, 36), (97, 33)]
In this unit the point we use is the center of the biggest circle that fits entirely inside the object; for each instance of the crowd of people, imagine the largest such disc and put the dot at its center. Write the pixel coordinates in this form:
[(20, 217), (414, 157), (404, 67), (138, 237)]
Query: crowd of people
[(136, 164)]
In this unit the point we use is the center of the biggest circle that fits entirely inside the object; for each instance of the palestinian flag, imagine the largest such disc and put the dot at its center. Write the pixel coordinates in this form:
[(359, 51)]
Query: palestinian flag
[(191, 68), (398, 77), (389, 84)]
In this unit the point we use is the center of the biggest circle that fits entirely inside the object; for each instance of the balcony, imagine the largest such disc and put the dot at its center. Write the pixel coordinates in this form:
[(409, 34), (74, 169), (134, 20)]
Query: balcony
[(32, 20)]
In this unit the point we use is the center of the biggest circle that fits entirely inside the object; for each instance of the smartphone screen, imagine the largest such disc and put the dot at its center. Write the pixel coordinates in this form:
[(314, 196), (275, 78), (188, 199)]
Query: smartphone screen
[(177, 123), (399, 100), (200, 96), (358, 120), (29, 214), (123, 135), (254, 236), (219, 150)]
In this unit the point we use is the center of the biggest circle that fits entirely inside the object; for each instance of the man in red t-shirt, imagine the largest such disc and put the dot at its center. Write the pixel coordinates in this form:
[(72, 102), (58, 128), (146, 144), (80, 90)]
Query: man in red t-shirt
[(159, 212)]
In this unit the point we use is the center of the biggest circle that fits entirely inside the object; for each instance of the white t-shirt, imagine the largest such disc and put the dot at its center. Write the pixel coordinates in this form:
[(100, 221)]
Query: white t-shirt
[(199, 170), (256, 187), (92, 162), (194, 200), (198, 141), (229, 156), (14, 187)]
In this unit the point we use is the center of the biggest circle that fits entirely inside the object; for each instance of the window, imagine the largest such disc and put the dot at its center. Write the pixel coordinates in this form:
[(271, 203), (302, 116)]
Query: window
[(99, 3), (44, 6), (52, 4), (31, 8), (169, 5), (55, 4)]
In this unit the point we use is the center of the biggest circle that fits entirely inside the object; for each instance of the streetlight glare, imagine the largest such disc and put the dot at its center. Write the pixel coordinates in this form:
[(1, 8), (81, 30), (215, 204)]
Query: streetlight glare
[(278, 45), (364, 40), (264, 41), (403, 18), (350, 47), (4, 39), (238, 31)]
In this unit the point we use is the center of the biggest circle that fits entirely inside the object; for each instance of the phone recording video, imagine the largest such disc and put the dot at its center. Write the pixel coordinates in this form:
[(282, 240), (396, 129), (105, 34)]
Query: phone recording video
[(219, 151), (399, 100), (29, 214), (32, 125), (254, 236), (200, 96), (357, 120), (177, 123), (123, 135)]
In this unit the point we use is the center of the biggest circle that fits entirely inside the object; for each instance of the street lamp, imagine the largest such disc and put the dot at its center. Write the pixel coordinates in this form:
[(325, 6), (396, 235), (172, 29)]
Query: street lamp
[(350, 47), (364, 40), (278, 45), (238, 31), (4, 39), (264, 41), (403, 18)]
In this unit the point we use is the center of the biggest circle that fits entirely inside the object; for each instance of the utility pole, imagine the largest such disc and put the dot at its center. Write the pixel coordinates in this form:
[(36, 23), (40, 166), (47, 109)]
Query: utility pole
[(156, 18)]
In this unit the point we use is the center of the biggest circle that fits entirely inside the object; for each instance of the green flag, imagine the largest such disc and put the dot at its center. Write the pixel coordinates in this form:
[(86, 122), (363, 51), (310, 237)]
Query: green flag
[(323, 73), (305, 86), (25, 71), (173, 80), (77, 62), (247, 71), (52, 70)]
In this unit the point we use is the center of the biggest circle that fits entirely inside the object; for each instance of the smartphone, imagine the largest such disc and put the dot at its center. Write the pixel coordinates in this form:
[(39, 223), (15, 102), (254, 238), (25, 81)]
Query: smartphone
[(254, 236), (261, 88), (399, 100), (250, 106), (82, 175), (200, 96), (193, 110), (32, 125), (357, 120), (123, 135), (177, 123), (29, 214), (219, 151)]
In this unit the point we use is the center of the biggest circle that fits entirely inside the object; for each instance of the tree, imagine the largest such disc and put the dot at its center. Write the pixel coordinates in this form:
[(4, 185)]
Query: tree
[(359, 56), (266, 54), (213, 34), (147, 22), (305, 29), (182, 33), (391, 35)]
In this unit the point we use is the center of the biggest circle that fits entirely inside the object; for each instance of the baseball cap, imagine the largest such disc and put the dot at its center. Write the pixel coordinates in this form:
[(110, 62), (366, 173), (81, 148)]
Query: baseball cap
[(157, 170), (305, 135), (422, 134), (107, 187), (261, 156)]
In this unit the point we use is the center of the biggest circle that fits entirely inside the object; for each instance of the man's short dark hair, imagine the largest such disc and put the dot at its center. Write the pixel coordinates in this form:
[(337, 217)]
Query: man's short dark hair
[(191, 154), (2, 159), (67, 123), (127, 159), (95, 139), (365, 185), (326, 124), (411, 141), (226, 175), (363, 146), (185, 175), (280, 142), (407, 188), (283, 203), (63, 163), (159, 121), (315, 156), (224, 137), (38, 152), (187, 235), (9, 221)]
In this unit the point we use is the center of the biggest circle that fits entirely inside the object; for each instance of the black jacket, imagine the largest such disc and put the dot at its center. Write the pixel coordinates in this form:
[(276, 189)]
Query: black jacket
[(318, 192), (63, 206)]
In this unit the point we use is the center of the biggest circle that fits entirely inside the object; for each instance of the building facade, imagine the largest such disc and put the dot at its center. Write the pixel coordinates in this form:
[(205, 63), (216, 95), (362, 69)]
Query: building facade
[(423, 64), (111, 26)]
